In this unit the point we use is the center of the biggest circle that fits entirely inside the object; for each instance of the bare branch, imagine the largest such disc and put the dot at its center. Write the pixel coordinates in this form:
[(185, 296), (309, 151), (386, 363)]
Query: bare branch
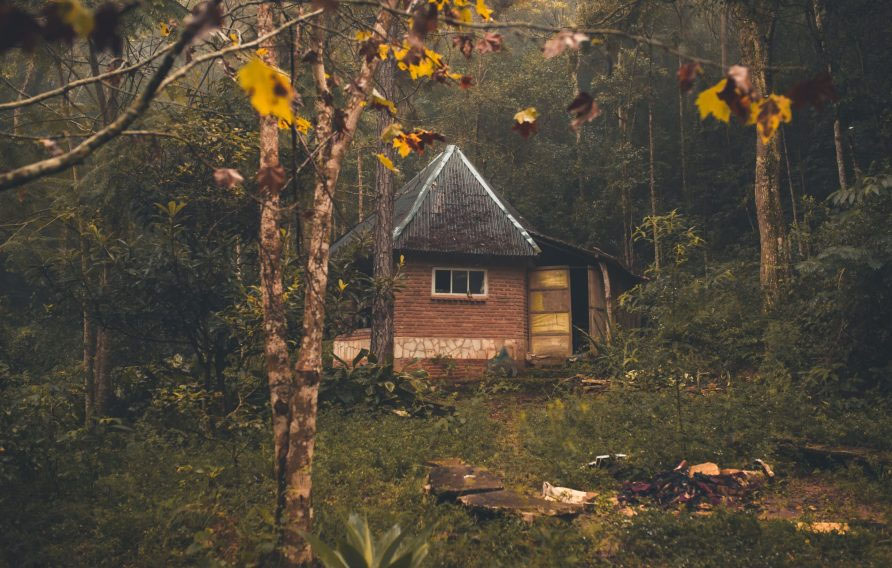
[(159, 81)]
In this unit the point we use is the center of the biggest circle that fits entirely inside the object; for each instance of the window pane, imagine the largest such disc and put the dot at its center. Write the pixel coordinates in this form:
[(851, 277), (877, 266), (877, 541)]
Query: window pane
[(476, 283), (459, 281), (441, 281)]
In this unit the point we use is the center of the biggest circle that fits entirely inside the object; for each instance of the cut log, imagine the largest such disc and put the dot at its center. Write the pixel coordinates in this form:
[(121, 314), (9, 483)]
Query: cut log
[(525, 506), (454, 480)]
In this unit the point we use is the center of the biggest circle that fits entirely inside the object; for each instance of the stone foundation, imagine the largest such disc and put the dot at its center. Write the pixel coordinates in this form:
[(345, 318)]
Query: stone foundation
[(441, 357)]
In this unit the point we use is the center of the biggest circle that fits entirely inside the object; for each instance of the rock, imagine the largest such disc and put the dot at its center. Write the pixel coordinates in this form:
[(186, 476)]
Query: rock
[(525, 506), (456, 479), (707, 468), (567, 495)]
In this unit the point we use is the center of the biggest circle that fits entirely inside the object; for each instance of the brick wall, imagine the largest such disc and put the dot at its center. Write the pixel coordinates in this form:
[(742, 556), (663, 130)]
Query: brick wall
[(501, 315)]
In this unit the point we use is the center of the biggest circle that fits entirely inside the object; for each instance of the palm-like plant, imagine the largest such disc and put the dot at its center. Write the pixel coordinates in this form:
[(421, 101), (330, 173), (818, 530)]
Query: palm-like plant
[(360, 550)]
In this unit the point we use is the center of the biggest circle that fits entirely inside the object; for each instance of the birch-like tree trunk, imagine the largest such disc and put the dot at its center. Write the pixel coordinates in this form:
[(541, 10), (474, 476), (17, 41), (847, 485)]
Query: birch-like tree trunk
[(298, 512), (278, 364), (756, 29)]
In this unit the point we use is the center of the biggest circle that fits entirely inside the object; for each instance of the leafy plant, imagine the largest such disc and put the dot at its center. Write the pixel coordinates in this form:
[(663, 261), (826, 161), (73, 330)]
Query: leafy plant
[(378, 386), (361, 550)]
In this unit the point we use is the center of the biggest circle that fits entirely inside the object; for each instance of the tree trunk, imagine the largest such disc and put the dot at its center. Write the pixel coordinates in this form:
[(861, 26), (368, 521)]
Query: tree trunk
[(278, 368), (89, 362), (608, 301), (382, 304), (756, 28), (101, 369), (824, 54), (653, 185), (360, 212), (298, 511)]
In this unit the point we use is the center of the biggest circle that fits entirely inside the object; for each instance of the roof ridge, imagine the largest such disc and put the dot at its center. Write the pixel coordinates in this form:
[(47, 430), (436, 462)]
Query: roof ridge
[(492, 195), (422, 193)]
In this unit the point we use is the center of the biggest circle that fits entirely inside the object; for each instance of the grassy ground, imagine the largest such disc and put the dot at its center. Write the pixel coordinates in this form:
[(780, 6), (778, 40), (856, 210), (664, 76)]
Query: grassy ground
[(163, 495)]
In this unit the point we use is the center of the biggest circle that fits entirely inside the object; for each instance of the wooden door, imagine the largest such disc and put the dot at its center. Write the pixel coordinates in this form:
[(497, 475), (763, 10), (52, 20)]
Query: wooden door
[(597, 307), (550, 323)]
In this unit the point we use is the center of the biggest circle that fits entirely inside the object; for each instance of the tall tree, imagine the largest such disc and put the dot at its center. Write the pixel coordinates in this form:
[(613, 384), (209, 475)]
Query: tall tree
[(278, 364), (382, 304), (335, 129), (756, 25)]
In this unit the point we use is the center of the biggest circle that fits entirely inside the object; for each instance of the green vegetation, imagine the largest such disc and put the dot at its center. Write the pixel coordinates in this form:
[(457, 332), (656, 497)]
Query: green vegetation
[(154, 284)]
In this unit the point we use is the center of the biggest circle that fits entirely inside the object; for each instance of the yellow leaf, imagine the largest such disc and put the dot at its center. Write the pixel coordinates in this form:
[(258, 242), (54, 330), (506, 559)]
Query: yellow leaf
[(424, 68), (529, 114), (75, 15), (483, 10), (402, 260), (459, 3), (261, 52), (465, 16), (341, 285), (234, 38), (380, 101), (708, 102), (393, 130), (382, 50), (402, 145), (387, 163), (769, 113), (165, 29), (400, 53), (269, 89), (302, 124), (363, 35), (435, 57)]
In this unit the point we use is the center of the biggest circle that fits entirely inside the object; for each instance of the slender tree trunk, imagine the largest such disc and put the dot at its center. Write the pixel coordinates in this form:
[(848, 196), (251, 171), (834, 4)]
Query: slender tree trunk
[(89, 362), (360, 212), (29, 72), (608, 301), (795, 209), (308, 368), (820, 12), (682, 138), (756, 28), (382, 304), (653, 184), (278, 364), (101, 369)]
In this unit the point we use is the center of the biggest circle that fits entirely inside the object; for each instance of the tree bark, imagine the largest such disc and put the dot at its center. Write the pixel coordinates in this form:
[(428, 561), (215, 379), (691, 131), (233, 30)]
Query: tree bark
[(278, 364), (653, 185), (382, 304), (608, 300), (298, 512), (824, 54), (756, 29)]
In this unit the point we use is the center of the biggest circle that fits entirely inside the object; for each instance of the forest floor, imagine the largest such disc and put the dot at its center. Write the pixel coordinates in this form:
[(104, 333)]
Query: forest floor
[(170, 492)]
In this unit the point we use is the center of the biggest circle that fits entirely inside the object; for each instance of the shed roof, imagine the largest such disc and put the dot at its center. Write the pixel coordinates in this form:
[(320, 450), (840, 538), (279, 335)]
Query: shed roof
[(449, 208)]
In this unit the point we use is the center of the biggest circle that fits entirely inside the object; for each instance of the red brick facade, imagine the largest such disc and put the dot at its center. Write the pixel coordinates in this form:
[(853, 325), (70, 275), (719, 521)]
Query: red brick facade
[(502, 314)]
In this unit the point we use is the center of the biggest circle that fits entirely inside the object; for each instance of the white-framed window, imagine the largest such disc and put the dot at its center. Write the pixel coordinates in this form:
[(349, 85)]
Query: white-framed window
[(458, 282)]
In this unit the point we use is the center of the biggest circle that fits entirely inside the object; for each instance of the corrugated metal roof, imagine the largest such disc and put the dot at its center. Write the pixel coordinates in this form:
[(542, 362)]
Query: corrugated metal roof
[(448, 207)]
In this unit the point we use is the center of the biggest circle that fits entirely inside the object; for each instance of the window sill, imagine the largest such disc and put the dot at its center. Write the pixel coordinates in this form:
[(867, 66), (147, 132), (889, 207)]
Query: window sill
[(474, 299)]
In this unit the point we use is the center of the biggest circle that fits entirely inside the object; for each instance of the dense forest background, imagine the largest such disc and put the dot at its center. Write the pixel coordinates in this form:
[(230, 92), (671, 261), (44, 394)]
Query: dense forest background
[(139, 254)]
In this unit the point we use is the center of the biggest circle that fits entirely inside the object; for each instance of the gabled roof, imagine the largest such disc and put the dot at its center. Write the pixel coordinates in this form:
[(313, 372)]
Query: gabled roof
[(448, 207)]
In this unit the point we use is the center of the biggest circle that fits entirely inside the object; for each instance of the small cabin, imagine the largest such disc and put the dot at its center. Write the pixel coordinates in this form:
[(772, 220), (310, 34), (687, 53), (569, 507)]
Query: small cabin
[(477, 278)]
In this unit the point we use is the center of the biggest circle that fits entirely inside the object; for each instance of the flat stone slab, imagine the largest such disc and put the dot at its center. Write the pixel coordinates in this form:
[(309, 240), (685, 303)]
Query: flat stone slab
[(457, 479), (523, 505)]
